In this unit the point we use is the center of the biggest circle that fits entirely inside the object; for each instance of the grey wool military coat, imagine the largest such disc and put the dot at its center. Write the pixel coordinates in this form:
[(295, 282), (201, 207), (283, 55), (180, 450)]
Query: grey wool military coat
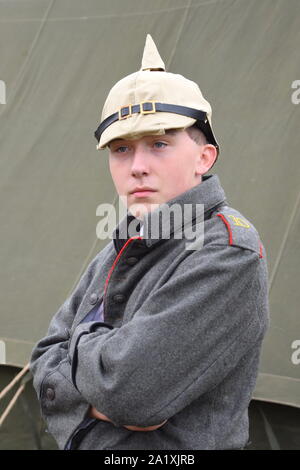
[(180, 339)]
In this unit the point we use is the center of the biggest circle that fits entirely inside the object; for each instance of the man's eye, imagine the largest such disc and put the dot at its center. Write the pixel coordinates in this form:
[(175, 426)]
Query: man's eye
[(121, 149), (160, 145)]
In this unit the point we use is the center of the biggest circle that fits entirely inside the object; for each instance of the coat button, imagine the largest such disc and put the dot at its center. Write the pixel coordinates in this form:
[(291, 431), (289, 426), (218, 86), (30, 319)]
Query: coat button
[(93, 298), (131, 261), (50, 394), (119, 298)]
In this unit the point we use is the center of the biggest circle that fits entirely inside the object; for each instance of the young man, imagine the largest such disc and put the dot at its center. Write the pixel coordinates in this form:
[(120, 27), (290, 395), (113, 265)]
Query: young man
[(158, 346)]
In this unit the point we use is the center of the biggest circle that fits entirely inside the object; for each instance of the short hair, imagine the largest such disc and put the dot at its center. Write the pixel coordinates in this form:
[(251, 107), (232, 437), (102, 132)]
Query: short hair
[(197, 135), (194, 133)]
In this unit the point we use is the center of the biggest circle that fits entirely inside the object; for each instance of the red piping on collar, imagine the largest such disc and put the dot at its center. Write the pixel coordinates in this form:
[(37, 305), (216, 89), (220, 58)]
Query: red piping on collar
[(117, 259)]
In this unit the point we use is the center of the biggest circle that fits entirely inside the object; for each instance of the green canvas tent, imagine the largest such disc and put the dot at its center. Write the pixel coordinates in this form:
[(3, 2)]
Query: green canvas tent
[(58, 60)]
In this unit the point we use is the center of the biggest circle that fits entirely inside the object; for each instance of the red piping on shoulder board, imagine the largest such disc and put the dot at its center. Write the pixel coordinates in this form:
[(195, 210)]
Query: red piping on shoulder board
[(228, 227), (117, 259), (260, 250), (230, 234)]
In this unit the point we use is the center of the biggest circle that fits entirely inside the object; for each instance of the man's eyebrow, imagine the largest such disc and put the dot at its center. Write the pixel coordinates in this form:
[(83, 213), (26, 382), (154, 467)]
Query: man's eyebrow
[(154, 136), (117, 141)]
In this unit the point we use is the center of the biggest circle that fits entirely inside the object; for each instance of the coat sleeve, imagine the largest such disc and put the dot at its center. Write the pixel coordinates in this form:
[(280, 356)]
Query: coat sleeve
[(51, 370), (183, 341)]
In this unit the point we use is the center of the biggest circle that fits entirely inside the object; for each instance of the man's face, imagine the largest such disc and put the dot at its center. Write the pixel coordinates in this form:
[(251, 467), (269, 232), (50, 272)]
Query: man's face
[(169, 164)]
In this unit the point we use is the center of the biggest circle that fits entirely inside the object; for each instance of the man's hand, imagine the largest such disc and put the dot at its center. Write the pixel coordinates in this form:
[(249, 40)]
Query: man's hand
[(93, 413)]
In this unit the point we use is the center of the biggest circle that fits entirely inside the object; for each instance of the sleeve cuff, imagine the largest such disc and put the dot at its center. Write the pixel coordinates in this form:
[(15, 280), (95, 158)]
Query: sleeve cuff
[(81, 330)]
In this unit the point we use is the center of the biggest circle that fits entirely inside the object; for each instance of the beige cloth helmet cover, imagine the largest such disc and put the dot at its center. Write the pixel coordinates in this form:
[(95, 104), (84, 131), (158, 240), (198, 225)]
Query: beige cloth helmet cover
[(151, 83)]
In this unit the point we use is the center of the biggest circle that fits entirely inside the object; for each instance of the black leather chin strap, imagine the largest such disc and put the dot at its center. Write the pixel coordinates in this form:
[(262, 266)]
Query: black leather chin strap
[(151, 107)]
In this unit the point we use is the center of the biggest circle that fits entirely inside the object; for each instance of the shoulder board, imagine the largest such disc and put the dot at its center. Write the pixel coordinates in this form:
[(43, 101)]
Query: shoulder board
[(240, 231)]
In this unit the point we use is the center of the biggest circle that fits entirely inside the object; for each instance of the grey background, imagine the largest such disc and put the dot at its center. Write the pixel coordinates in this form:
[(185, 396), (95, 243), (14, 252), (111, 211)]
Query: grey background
[(58, 59)]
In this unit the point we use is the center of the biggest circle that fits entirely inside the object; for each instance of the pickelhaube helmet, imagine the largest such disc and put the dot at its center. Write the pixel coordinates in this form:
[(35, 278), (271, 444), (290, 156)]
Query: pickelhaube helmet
[(151, 101)]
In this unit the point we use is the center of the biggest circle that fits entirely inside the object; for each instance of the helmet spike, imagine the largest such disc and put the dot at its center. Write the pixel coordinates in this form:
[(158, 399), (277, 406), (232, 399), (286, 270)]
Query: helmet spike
[(151, 58)]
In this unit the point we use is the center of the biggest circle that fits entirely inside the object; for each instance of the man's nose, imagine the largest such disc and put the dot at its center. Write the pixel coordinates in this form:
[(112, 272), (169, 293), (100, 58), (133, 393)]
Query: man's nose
[(140, 162)]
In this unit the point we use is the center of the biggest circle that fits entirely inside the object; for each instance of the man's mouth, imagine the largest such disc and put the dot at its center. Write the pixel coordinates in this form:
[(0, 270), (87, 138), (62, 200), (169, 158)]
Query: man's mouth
[(142, 191)]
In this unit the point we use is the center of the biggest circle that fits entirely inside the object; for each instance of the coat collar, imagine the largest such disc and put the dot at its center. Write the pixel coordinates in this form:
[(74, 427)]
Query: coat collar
[(209, 193)]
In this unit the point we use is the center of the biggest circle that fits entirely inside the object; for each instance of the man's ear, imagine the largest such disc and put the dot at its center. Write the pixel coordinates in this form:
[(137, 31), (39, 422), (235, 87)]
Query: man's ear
[(206, 158)]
